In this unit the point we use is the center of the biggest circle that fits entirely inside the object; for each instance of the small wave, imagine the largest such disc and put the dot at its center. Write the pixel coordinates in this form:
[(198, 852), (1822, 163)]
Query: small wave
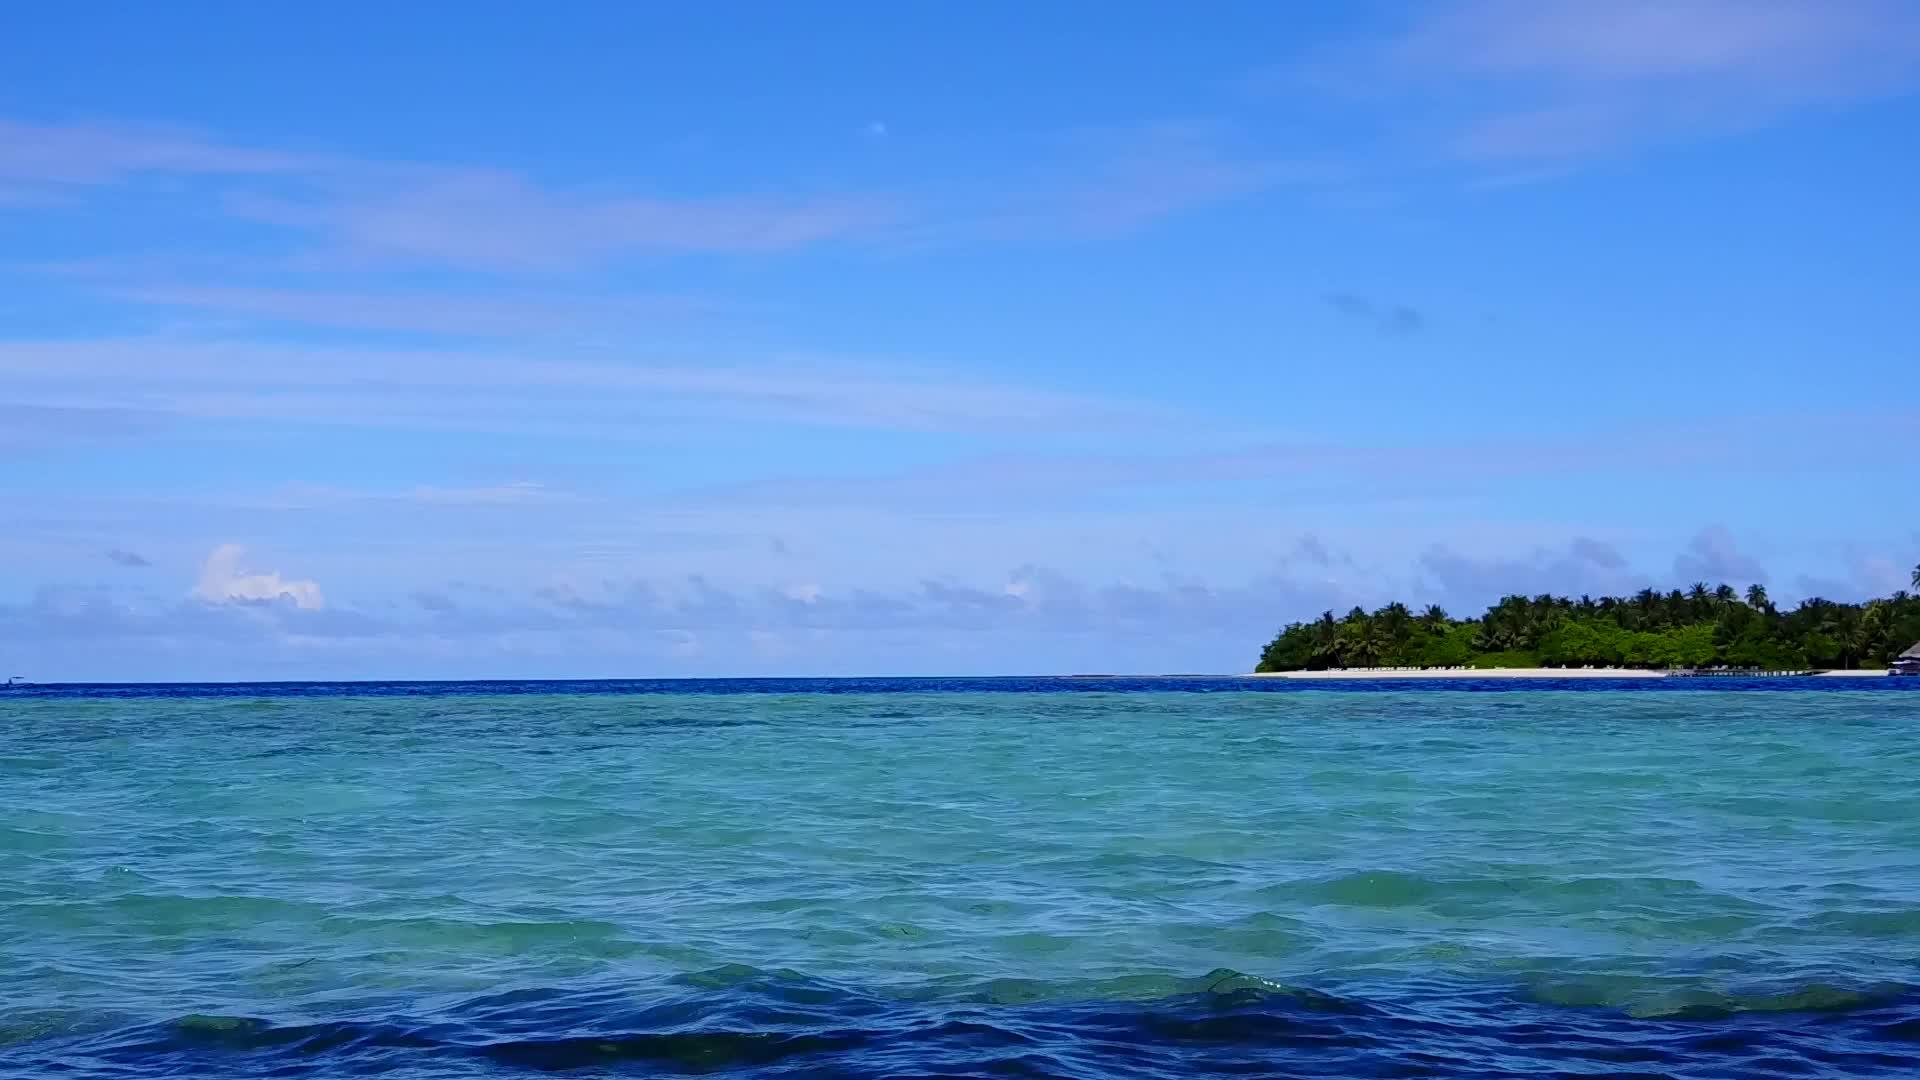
[(1660, 998), (753, 1022), (1570, 897), (483, 936), (704, 1050)]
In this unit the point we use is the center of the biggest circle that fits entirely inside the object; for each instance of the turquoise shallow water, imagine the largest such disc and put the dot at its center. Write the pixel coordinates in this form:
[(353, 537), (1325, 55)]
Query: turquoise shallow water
[(933, 879)]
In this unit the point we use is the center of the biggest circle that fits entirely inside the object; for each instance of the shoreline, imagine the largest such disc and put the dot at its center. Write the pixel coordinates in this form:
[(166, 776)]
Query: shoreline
[(1520, 673), (1464, 673)]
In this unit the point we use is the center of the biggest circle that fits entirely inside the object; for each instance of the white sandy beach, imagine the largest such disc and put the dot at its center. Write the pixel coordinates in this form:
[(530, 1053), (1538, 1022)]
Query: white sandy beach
[(1508, 673), (1465, 673)]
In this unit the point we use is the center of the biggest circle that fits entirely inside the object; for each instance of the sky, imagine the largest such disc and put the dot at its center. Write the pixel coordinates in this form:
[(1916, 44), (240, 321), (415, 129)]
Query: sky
[(482, 340)]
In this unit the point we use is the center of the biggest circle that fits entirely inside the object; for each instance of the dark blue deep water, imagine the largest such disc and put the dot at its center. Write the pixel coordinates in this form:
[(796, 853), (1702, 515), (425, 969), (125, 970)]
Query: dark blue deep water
[(917, 878)]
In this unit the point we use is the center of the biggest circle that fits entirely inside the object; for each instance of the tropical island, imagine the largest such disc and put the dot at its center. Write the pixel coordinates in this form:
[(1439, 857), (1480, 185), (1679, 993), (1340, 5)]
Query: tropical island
[(1701, 627)]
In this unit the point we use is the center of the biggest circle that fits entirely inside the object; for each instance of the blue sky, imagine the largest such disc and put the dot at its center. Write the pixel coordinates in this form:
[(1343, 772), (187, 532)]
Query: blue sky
[(614, 339)]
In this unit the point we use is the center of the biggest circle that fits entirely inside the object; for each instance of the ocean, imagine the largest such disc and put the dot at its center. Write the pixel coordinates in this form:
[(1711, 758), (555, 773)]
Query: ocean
[(981, 878)]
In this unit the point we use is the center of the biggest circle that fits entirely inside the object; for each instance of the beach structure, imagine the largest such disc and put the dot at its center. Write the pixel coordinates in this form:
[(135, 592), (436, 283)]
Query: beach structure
[(1907, 663)]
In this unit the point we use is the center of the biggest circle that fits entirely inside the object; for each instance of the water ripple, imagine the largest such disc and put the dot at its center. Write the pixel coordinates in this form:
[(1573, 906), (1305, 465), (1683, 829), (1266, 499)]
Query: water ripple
[(975, 879), (748, 1022)]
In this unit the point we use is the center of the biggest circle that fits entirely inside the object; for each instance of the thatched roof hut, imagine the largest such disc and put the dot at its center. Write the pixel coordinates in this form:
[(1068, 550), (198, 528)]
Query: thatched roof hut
[(1907, 663)]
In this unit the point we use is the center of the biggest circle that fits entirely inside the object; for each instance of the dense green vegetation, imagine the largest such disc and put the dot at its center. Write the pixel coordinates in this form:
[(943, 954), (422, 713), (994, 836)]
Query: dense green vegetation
[(1701, 627)]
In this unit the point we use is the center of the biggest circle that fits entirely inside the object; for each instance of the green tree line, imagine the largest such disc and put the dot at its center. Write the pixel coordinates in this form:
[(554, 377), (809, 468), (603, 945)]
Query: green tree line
[(1697, 627)]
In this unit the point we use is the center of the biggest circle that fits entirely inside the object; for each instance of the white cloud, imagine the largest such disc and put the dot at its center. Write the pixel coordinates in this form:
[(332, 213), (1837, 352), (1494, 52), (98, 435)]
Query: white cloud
[(491, 220), (347, 213), (1031, 619), (492, 390), (805, 593), (1714, 557), (1522, 85), (515, 492), (222, 580), (491, 314), (95, 155), (362, 211), (1804, 46)]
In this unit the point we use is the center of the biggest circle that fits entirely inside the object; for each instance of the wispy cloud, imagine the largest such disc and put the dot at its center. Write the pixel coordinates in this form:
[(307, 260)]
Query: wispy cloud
[(1804, 47), (1385, 316), (333, 212), (359, 212), (500, 221), (26, 427), (1346, 471), (89, 154), (1527, 90), (480, 315), (314, 497), (1713, 556), (491, 390), (1103, 182), (1319, 484), (130, 559), (1140, 177), (1463, 581), (437, 602), (1577, 79), (257, 622), (1027, 597), (1598, 552)]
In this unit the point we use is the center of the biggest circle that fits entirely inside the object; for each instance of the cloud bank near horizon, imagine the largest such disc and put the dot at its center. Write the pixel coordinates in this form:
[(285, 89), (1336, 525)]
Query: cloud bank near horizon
[(237, 621)]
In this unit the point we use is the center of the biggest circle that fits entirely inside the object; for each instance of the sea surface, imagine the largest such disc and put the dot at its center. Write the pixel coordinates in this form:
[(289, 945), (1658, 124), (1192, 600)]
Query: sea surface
[(987, 878)]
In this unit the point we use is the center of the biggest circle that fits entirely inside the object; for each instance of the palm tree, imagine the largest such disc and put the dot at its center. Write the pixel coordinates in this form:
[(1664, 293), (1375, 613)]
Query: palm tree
[(1369, 643), (1724, 595), (1875, 629), (1509, 625), (1697, 600), (1757, 597), (1844, 626), (1326, 640), (1545, 621), (1646, 600), (1916, 575), (1434, 618), (1395, 620), (1852, 636)]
